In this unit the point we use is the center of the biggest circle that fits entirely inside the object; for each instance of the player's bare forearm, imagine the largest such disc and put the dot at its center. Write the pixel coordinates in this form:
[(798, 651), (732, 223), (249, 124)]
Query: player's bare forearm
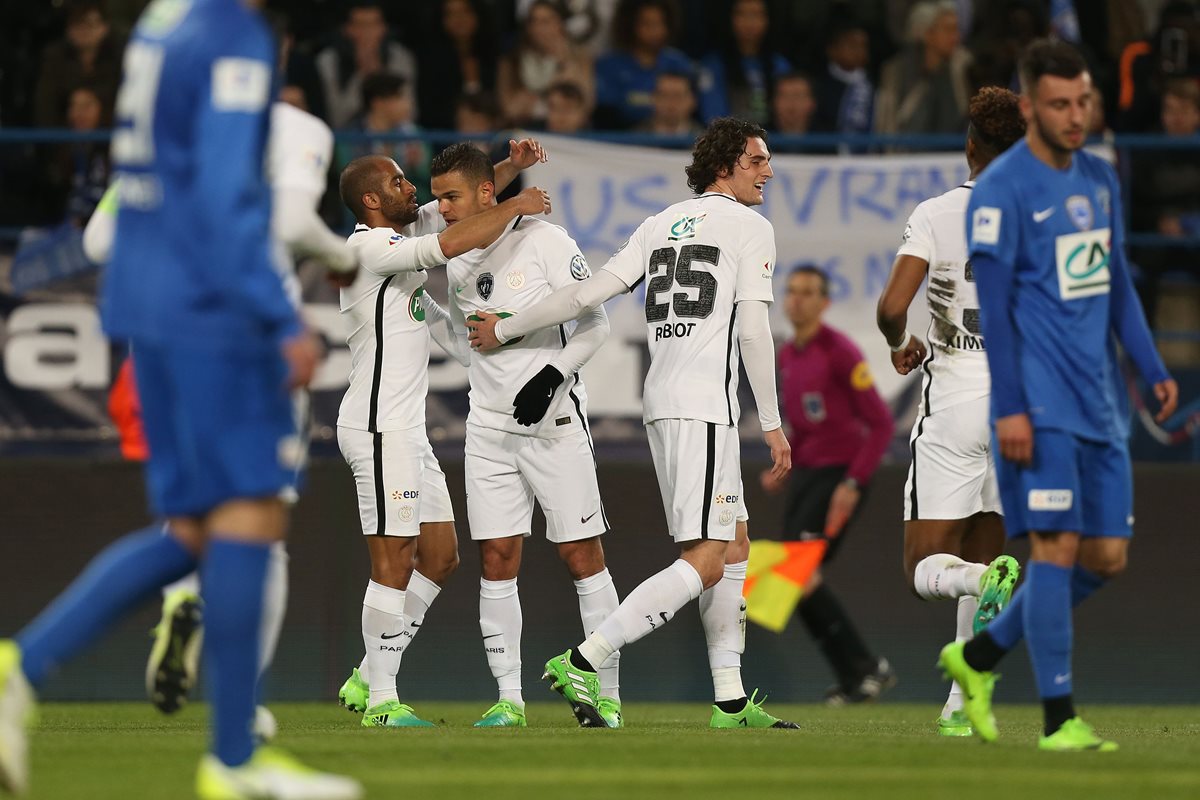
[(522, 155), (1167, 393), (479, 230), (891, 313), (781, 453)]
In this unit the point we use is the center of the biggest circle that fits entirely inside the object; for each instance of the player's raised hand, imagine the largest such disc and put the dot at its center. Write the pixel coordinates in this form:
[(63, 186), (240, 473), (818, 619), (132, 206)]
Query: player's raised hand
[(910, 356), (481, 332), (525, 153), (1015, 435), (1167, 393), (302, 353), (781, 453), (534, 200)]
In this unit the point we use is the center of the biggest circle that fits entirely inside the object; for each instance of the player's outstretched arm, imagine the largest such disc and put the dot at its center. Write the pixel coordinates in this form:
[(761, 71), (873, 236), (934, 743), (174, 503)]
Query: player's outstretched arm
[(447, 328), (891, 314), (480, 229), (295, 222), (758, 357), (567, 303), (522, 155)]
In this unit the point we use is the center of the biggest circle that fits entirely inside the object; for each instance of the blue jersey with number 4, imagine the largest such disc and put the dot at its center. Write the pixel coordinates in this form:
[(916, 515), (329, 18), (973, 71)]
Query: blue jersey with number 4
[(191, 263), (1046, 246)]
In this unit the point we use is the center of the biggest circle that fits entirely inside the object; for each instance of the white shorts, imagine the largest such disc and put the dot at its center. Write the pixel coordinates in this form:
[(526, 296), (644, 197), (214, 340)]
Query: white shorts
[(506, 472), (699, 471), (400, 483), (952, 475)]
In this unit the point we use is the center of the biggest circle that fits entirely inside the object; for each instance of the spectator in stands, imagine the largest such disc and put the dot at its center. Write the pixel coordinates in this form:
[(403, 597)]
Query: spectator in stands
[(479, 118), (1003, 29), (388, 108), (739, 78), (300, 83), (363, 48), (674, 107), (925, 88), (1166, 191), (543, 55), (459, 58), (566, 108), (845, 96), (1146, 66), (84, 166), (793, 105), (89, 53), (625, 76)]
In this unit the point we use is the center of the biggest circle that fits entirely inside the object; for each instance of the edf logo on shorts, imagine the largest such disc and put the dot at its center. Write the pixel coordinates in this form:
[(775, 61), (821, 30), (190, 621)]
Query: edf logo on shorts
[(1051, 499), (726, 499), (406, 494)]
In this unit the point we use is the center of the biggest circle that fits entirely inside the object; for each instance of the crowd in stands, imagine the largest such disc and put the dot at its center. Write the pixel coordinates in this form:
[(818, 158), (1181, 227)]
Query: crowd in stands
[(651, 66)]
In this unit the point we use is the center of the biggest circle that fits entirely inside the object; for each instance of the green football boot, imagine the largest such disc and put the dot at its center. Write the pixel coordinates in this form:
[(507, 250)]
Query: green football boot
[(503, 715), (976, 688), (392, 714), (752, 716), (956, 724), (1074, 736), (270, 773), (17, 713), (354, 693), (610, 711), (578, 687), (175, 656), (995, 590)]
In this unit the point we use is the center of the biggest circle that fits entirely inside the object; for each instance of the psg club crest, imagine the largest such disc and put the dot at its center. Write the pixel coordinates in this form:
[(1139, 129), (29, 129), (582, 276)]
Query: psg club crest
[(1079, 209), (484, 285)]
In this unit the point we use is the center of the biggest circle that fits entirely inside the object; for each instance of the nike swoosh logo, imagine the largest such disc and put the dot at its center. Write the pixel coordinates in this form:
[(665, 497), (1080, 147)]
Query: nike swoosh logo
[(583, 520), (393, 636), (1042, 216), (416, 624), (490, 636)]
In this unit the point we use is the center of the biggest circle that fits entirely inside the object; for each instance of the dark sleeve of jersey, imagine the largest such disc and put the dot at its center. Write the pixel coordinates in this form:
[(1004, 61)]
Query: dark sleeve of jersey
[(869, 409), (994, 279)]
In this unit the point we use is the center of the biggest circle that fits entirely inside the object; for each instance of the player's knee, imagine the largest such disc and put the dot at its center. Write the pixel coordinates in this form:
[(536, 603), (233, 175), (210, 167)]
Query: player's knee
[(582, 559), (1109, 567), (498, 562)]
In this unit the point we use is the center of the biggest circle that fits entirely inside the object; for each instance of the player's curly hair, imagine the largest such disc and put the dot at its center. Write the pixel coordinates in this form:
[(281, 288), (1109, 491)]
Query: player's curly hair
[(718, 150), (995, 122)]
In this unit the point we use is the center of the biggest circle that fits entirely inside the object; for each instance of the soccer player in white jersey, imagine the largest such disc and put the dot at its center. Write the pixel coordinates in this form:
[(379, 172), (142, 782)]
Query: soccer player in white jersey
[(953, 530), (402, 497), (537, 447), (299, 149), (707, 262)]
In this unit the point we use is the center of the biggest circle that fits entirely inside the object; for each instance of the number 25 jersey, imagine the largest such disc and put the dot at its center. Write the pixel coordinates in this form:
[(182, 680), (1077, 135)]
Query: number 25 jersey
[(699, 259)]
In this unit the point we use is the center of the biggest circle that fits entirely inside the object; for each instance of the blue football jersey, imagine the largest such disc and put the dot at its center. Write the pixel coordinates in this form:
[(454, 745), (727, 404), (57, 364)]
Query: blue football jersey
[(1060, 233), (191, 263)]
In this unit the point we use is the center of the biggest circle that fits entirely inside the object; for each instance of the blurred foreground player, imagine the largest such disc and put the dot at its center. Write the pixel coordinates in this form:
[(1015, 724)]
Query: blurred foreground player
[(192, 288), (1044, 227)]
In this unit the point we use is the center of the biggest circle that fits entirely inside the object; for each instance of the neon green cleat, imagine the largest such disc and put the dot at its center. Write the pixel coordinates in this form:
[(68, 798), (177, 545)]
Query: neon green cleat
[(995, 590), (610, 712), (17, 714), (502, 715), (1075, 735), (271, 775), (578, 687), (175, 657), (976, 688), (752, 716), (392, 714), (956, 724), (355, 693)]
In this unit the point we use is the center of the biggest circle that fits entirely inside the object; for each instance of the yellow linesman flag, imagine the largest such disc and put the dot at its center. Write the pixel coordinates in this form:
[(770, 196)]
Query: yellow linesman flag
[(776, 577)]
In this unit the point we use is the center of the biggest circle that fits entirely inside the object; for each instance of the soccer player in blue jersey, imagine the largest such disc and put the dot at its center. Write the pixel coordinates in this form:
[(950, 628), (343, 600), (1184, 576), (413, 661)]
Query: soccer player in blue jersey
[(192, 288), (1046, 244)]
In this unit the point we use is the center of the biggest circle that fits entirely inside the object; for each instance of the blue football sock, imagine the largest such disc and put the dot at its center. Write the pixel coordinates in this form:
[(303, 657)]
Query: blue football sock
[(1047, 614), (232, 578), (1083, 584), (125, 574)]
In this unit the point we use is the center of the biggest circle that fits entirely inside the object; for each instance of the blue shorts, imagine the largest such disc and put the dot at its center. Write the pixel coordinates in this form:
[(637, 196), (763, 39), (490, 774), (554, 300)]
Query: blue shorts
[(1074, 485), (219, 427)]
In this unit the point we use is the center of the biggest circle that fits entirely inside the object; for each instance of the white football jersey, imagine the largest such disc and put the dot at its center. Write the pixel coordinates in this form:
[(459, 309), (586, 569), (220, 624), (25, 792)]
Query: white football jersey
[(299, 149), (530, 260), (956, 369), (389, 342), (699, 258)]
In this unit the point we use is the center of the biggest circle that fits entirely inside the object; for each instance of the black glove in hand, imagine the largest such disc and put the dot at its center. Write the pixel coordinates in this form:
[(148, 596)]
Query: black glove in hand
[(534, 398)]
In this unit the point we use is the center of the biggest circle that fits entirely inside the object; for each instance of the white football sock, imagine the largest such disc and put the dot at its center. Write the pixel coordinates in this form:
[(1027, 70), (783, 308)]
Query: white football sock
[(942, 576), (500, 624), (723, 612), (597, 602), (188, 583), (275, 595), (651, 605), (382, 627), (418, 598), (363, 671), (963, 631)]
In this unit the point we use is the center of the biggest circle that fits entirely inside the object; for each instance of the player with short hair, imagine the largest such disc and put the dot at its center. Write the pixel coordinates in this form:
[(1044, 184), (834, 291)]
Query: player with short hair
[(708, 263), (403, 501), (1046, 240), (192, 286), (537, 447), (953, 531)]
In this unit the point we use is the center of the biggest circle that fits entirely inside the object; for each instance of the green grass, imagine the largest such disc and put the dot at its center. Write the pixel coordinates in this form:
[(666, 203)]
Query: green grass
[(122, 751)]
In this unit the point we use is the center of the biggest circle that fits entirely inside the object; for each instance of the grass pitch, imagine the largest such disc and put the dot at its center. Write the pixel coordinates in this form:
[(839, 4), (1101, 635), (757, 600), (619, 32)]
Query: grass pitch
[(122, 751)]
